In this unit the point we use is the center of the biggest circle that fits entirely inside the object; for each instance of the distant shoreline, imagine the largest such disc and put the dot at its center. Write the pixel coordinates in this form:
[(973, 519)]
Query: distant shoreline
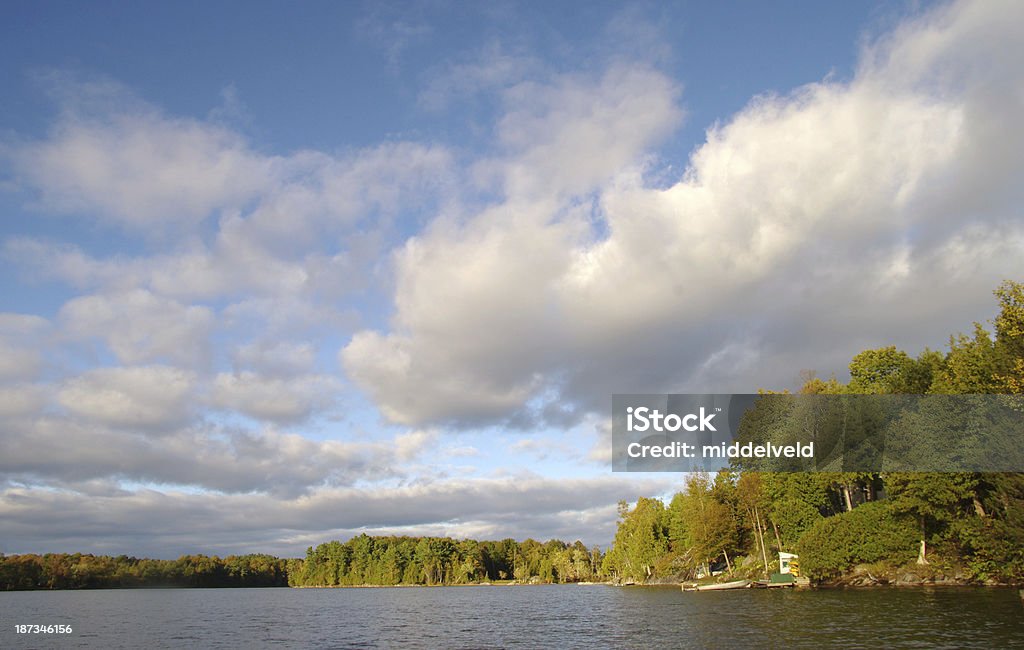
[(461, 584)]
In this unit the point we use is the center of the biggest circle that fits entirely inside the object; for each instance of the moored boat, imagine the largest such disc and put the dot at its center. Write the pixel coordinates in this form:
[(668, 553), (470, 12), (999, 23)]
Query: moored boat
[(735, 584)]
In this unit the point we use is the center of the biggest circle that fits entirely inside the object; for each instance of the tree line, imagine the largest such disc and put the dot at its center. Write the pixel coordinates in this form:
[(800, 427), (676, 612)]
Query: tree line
[(365, 560), (957, 523), (85, 571), (362, 560)]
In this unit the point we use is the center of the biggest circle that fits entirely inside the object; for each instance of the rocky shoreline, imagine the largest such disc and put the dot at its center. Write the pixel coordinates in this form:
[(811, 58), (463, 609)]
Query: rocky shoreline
[(874, 575), (864, 575)]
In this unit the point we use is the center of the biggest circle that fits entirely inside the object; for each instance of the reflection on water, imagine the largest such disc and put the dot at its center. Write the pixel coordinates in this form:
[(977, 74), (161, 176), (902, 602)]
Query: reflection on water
[(562, 616)]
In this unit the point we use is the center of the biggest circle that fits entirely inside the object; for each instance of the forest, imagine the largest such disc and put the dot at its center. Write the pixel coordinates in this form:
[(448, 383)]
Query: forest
[(362, 560), (83, 571), (443, 561), (964, 524)]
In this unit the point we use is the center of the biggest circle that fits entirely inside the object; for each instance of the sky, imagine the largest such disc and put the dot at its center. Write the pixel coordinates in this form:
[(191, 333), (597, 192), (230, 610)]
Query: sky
[(277, 274)]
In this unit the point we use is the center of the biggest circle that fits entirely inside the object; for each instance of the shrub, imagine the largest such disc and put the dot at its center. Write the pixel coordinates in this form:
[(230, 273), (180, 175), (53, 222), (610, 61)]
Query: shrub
[(869, 533)]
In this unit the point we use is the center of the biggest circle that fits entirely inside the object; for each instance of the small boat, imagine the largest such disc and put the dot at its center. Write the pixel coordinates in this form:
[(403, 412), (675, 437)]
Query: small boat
[(735, 584)]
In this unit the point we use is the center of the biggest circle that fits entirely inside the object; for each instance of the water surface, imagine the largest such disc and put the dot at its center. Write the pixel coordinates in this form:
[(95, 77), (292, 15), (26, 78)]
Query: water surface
[(562, 616)]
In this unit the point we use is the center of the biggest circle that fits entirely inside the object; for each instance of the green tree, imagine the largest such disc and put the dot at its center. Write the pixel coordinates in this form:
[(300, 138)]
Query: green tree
[(933, 499), (884, 370), (640, 541), (709, 522)]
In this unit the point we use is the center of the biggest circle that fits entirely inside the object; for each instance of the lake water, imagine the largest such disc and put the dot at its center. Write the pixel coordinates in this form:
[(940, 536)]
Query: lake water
[(560, 616)]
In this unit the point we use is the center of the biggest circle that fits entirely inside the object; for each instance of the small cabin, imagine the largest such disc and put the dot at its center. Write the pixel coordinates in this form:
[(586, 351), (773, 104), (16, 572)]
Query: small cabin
[(789, 563)]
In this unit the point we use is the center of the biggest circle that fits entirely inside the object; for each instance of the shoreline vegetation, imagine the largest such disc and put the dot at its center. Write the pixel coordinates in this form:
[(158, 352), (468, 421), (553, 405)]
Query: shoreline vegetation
[(362, 561), (75, 571), (853, 528), (849, 529)]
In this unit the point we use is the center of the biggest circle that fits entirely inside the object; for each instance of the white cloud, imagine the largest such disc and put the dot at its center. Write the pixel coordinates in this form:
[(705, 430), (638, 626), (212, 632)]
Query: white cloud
[(18, 363), (492, 68), (393, 29), (509, 258), (276, 358), (137, 167), (567, 137), (21, 324), (68, 452), (316, 231), (308, 224), (289, 400), (146, 398), (139, 326), (462, 451), (807, 227), (21, 339), (543, 448), (21, 400), (410, 445), (287, 316)]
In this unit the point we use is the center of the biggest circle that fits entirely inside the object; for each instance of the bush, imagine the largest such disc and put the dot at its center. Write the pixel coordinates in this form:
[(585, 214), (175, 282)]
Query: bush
[(991, 548), (866, 534)]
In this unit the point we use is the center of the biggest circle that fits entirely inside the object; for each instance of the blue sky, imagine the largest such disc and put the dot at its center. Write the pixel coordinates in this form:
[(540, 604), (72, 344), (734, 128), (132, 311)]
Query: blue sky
[(278, 274), (339, 75)]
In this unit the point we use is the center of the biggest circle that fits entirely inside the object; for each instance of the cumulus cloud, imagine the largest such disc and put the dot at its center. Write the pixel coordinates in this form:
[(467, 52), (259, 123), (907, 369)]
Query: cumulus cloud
[(276, 358), (148, 398), (139, 326), (235, 223), (277, 400), (301, 238), (807, 227), (510, 256), (159, 171), (565, 137), (410, 445)]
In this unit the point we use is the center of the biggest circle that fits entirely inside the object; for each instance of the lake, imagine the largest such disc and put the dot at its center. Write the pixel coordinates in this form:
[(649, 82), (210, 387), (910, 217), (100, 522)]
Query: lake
[(562, 616)]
